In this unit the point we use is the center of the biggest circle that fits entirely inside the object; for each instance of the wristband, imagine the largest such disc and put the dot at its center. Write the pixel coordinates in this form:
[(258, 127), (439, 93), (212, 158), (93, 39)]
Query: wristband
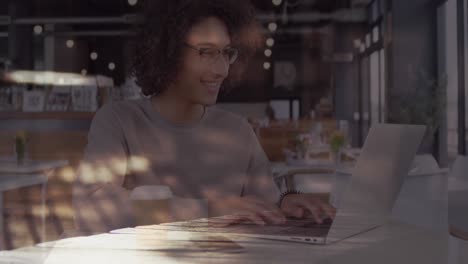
[(284, 194)]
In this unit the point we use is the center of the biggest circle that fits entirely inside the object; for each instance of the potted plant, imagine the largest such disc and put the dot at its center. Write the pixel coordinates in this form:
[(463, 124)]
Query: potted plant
[(336, 141), (302, 144), (20, 147), (424, 105)]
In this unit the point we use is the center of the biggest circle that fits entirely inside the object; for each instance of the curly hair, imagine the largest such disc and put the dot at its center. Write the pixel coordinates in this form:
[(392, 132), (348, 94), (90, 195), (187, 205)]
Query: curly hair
[(166, 23)]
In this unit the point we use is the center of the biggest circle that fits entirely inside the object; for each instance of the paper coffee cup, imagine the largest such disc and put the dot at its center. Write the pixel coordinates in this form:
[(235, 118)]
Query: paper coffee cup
[(151, 204), (184, 209)]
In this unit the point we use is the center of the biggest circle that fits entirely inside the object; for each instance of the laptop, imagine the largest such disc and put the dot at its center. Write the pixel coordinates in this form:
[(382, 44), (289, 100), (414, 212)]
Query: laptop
[(367, 201)]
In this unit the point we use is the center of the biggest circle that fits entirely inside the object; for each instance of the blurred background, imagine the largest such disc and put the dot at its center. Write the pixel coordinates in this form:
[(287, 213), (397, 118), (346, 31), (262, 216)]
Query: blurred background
[(326, 66)]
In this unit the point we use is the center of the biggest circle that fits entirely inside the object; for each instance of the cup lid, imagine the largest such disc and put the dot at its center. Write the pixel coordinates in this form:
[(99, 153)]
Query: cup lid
[(151, 192)]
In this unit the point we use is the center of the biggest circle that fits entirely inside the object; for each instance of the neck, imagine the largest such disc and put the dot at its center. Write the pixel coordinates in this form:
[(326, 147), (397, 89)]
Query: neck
[(176, 110)]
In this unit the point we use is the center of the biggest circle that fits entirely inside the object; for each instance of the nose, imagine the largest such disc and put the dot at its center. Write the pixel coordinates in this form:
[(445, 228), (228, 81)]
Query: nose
[(221, 67)]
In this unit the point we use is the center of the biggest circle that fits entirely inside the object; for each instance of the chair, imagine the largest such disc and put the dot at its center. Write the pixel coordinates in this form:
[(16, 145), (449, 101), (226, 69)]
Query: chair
[(458, 250), (458, 211), (424, 164), (422, 200), (459, 168)]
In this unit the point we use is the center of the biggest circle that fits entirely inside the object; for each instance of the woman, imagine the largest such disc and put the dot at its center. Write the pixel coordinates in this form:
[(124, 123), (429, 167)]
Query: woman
[(184, 55)]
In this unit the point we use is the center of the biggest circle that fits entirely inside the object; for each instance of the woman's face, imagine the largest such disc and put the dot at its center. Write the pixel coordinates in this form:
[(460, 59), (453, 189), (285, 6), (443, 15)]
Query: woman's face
[(201, 74)]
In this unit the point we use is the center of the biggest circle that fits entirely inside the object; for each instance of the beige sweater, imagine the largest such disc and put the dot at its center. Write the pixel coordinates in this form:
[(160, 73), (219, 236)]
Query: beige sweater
[(131, 145)]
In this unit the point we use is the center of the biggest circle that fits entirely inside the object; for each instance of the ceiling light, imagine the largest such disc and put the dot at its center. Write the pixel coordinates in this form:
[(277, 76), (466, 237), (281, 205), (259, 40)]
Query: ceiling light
[(272, 26), (277, 2), (38, 29), (70, 43), (132, 2), (270, 42), (93, 55)]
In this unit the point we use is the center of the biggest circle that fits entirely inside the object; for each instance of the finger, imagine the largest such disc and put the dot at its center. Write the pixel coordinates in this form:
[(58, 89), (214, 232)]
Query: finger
[(314, 211), (225, 220), (251, 216), (274, 214), (325, 208), (270, 213), (256, 219), (297, 212), (329, 210), (316, 214), (272, 217), (321, 208), (268, 206)]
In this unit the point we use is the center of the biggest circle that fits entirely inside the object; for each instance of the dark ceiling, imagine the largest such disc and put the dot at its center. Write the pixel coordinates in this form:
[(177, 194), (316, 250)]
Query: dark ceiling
[(66, 8), (117, 8), (304, 5)]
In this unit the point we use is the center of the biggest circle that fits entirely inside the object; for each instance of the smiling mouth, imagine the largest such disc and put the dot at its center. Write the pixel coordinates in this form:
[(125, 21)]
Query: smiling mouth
[(212, 86)]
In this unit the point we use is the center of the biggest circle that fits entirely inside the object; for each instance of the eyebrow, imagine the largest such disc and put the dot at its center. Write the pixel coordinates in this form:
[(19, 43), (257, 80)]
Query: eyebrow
[(211, 44)]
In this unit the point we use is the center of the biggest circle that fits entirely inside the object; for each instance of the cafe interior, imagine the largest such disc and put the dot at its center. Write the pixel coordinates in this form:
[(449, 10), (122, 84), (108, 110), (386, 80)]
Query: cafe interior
[(326, 73)]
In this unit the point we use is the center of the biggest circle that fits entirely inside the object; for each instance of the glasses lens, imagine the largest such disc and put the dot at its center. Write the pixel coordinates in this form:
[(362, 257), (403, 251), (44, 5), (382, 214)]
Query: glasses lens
[(231, 54), (209, 53)]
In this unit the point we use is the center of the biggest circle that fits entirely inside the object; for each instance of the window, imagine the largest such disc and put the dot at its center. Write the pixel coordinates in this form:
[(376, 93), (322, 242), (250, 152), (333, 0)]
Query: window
[(286, 108), (375, 87), (453, 51)]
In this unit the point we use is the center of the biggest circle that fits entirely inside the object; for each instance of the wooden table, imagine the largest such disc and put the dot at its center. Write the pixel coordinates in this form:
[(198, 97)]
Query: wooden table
[(389, 244), (458, 219), (394, 242), (13, 177), (11, 182), (458, 207)]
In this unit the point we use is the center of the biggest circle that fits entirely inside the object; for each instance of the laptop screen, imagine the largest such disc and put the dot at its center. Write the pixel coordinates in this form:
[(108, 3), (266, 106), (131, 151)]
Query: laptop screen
[(376, 179)]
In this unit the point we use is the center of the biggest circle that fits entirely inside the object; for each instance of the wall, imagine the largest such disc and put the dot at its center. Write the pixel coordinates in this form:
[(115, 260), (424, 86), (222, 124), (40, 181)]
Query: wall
[(20, 47), (345, 73), (448, 65), (414, 42), (413, 50)]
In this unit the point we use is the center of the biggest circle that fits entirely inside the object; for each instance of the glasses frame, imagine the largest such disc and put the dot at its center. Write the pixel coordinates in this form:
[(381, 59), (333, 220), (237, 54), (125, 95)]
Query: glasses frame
[(218, 52)]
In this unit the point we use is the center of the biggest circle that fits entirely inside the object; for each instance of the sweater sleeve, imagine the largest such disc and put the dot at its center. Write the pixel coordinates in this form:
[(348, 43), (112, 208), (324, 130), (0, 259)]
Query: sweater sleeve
[(99, 200), (260, 181)]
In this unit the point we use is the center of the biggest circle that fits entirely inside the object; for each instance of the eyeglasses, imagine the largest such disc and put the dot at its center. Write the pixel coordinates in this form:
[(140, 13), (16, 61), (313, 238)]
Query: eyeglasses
[(212, 54)]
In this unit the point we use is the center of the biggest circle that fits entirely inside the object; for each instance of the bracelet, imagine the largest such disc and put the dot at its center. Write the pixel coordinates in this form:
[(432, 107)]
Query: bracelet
[(284, 194)]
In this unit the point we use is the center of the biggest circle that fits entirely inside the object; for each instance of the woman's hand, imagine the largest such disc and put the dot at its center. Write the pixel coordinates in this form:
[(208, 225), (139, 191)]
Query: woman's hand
[(248, 208), (306, 205)]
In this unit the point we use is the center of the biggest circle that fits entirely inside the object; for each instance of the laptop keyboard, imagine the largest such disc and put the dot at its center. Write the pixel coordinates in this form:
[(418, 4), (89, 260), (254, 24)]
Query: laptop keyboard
[(295, 222), (292, 226), (290, 222)]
